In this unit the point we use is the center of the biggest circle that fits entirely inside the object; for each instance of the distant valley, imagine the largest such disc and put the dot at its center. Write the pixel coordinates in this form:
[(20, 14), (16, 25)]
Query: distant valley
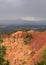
[(14, 25)]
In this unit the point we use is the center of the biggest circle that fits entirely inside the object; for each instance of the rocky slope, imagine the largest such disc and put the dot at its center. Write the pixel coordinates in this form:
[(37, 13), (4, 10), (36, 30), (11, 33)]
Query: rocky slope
[(22, 50)]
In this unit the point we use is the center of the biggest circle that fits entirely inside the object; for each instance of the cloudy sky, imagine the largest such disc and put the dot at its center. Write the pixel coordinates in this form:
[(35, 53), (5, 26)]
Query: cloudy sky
[(23, 9)]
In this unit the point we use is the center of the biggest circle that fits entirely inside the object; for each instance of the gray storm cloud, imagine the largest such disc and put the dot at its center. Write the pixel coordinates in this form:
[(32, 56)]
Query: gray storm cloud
[(22, 8)]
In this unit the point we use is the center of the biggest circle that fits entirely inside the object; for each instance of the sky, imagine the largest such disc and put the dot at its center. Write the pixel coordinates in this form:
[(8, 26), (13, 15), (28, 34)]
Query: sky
[(31, 10)]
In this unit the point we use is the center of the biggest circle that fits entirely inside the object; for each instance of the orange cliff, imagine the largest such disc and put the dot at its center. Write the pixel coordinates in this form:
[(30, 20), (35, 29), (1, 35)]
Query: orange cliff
[(18, 53)]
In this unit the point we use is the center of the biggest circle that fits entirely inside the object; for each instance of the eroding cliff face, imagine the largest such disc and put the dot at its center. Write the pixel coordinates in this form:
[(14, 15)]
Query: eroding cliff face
[(21, 52), (17, 52)]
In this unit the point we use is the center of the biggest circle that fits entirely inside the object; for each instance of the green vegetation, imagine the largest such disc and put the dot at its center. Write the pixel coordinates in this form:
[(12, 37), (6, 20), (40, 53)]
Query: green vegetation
[(14, 36), (3, 53), (29, 35), (40, 63), (25, 42), (7, 62), (13, 31), (16, 31), (32, 53), (25, 30), (44, 56), (28, 38), (1, 40), (43, 61)]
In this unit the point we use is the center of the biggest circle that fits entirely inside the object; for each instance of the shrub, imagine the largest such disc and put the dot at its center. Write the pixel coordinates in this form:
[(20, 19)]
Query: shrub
[(32, 53), (43, 61), (40, 63), (14, 36), (44, 54), (2, 54), (29, 36), (2, 51), (1, 40), (25, 42)]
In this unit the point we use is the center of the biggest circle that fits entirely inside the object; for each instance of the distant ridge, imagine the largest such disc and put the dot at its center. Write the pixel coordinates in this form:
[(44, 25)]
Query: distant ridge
[(21, 22)]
